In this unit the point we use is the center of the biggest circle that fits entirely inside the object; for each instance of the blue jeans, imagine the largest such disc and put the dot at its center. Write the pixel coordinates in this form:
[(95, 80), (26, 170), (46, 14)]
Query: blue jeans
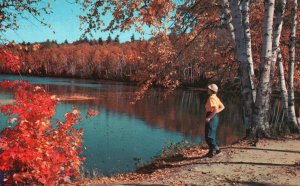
[(1, 178), (1, 174), (211, 133)]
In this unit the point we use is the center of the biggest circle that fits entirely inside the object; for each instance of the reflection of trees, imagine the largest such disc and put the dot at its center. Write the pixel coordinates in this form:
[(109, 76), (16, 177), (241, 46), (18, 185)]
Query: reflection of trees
[(181, 112)]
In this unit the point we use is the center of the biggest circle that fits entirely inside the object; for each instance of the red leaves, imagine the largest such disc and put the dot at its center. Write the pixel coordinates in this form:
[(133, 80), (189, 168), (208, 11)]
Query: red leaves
[(8, 60), (34, 150), (91, 113)]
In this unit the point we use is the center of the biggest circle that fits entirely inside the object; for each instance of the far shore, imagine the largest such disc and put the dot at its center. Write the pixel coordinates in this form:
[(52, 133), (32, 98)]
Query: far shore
[(185, 86)]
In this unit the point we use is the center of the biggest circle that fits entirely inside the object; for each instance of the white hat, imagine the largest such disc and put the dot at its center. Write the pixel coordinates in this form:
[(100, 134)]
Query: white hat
[(213, 87)]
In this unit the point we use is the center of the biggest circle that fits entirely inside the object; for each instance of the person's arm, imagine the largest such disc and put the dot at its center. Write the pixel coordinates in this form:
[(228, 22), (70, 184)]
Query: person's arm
[(221, 108), (211, 115)]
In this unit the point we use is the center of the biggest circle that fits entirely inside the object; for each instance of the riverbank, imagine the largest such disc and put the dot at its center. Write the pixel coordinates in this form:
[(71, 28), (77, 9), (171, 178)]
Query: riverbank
[(232, 87), (269, 162)]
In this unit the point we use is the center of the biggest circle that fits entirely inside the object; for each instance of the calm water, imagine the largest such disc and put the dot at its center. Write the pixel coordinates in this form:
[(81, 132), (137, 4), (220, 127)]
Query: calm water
[(122, 132)]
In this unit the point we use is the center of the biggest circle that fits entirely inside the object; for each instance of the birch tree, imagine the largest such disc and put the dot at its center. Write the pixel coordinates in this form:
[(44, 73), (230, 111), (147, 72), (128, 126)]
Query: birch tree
[(244, 56), (280, 6), (247, 32), (282, 84), (291, 96), (228, 19), (260, 123), (279, 14)]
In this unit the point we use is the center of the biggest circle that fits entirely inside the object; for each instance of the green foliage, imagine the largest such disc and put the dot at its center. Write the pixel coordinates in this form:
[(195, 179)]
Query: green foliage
[(173, 148), (109, 39), (117, 40), (100, 41), (132, 38)]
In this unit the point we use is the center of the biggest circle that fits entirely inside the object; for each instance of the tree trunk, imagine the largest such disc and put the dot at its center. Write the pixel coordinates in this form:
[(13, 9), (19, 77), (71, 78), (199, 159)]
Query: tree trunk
[(260, 122), (228, 19), (241, 56), (246, 25), (282, 83), (291, 98), (279, 13)]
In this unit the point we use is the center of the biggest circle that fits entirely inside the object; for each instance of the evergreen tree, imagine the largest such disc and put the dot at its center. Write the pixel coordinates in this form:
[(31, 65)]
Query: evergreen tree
[(100, 41), (132, 38), (85, 40), (117, 40), (109, 39)]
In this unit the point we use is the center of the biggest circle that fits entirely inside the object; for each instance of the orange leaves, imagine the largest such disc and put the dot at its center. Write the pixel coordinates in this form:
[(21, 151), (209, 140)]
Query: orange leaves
[(34, 150), (156, 11)]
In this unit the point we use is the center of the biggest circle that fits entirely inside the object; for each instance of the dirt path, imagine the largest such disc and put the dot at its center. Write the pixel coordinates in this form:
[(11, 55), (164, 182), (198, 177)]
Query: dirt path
[(271, 162)]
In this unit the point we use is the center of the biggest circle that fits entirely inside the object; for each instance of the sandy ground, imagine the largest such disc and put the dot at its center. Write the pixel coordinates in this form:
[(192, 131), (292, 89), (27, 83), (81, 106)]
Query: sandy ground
[(270, 162)]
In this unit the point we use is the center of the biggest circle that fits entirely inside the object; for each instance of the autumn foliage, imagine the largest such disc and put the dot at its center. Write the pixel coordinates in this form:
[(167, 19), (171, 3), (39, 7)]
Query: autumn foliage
[(33, 149), (8, 60)]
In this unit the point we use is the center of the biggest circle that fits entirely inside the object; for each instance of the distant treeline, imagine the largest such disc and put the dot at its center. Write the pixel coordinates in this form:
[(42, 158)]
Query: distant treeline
[(110, 59)]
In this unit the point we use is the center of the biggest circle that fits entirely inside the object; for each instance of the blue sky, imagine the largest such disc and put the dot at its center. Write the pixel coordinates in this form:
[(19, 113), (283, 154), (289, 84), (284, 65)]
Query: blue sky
[(65, 22)]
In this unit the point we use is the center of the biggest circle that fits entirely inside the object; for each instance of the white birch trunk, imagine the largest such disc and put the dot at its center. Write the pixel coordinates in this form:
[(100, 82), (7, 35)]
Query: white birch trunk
[(246, 25), (228, 18), (261, 125), (291, 97), (283, 90), (279, 13), (241, 56)]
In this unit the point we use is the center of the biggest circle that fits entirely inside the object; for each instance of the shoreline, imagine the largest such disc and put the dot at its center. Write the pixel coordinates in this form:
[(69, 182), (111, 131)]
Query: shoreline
[(186, 86), (270, 162)]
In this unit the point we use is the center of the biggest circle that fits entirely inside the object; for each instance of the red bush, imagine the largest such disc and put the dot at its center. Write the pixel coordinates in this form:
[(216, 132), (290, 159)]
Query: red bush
[(34, 150)]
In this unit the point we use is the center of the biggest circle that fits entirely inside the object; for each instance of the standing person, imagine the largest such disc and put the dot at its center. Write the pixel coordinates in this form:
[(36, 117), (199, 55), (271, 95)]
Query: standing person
[(1, 178), (1, 174), (213, 106)]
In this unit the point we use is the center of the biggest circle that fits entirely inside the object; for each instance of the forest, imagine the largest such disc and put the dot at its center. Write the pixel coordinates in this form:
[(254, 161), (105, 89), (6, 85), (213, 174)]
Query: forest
[(112, 60)]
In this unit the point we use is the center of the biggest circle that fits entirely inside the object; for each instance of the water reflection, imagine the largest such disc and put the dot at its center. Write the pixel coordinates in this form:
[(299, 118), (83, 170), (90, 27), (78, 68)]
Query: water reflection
[(182, 112), (123, 132)]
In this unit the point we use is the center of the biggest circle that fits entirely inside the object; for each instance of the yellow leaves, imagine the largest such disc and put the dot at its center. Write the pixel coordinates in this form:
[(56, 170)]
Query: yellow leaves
[(35, 47)]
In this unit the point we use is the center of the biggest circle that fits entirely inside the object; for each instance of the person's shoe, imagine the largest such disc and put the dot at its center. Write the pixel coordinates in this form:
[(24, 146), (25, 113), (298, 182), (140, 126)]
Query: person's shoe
[(209, 154), (218, 152)]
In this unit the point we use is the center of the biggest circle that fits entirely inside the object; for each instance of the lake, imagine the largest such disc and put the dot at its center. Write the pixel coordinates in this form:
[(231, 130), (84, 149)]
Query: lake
[(124, 135)]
